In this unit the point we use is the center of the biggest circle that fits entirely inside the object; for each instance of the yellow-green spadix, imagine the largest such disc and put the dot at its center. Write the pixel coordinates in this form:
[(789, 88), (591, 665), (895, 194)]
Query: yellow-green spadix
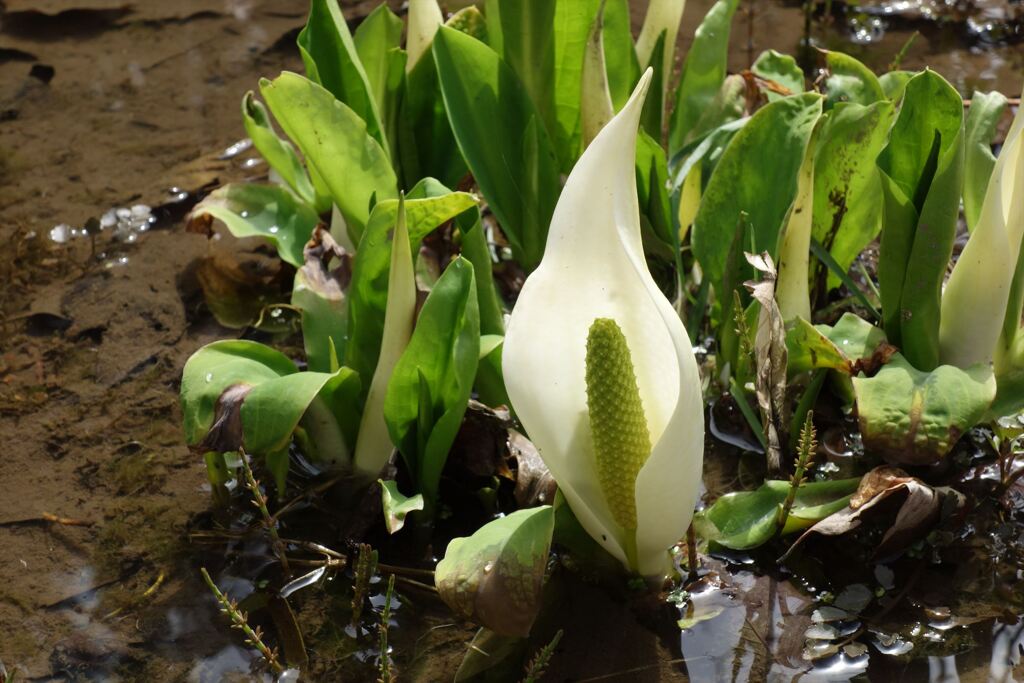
[(599, 367)]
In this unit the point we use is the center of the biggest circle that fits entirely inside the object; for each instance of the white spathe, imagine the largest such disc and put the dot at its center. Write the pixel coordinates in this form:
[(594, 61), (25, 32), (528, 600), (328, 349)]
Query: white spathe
[(975, 298), (594, 267), (424, 19)]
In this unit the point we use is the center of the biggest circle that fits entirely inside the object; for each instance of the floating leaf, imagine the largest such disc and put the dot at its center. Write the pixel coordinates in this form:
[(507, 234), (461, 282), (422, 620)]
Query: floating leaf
[(913, 417), (495, 577), (747, 519), (397, 506)]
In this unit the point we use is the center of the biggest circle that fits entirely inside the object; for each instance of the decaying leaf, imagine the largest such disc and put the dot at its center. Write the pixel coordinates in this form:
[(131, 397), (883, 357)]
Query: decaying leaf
[(495, 577), (534, 483), (771, 357), (916, 516), (319, 292)]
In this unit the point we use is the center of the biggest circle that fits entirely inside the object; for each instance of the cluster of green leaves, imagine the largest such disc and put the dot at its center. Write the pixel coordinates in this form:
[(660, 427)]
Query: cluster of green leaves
[(504, 100)]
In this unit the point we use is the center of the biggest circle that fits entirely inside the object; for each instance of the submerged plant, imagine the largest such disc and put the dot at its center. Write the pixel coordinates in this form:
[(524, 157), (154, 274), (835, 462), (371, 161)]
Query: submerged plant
[(599, 367)]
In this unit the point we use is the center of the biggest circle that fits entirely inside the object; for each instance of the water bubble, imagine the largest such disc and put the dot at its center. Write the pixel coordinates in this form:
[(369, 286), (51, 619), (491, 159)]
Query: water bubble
[(488, 567), (273, 229), (209, 377), (61, 233)]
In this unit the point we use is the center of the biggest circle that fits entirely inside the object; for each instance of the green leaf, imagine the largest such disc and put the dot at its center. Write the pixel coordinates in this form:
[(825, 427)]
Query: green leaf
[(619, 54), (654, 105), (782, 69), (894, 83), (332, 60), (320, 294), (432, 381), (543, 41), (756, 177), (850, 81), (280, 155), (652, 189), (267, 211), (836, 348), (488, 651), (476, 250), (747, 519), (915, 418), (496, 576), (847, 190), (922, 177), (982, 119), (378, 44), (427, 206), (516, 171), (397, 506), (239, 393), (490, 380), (353, 166), (702, 75)]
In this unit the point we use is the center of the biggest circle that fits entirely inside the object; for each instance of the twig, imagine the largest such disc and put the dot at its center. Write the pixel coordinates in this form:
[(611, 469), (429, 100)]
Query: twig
[(805, 454), (260, 501), (240, 620), (408, 571), (386, 676), (47, 518), (535, 669), (319, 488)]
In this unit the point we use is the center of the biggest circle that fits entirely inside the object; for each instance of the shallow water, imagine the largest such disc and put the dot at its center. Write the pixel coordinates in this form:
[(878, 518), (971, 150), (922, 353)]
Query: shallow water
[(125, 111)]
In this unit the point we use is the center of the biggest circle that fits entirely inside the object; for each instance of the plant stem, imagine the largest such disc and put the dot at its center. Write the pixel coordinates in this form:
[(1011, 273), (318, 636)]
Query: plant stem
[(260, 501), (691, 553), (808, 446), (366, 565), (240, 620), (385, 616)]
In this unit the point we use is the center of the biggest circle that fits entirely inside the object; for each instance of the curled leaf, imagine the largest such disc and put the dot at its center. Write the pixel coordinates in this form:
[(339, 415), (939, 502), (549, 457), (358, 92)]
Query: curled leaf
[(397, 506)]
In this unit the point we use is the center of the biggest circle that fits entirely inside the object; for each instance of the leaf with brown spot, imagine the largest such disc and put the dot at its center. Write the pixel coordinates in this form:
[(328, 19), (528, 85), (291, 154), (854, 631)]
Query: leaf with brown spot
[(496, 576)]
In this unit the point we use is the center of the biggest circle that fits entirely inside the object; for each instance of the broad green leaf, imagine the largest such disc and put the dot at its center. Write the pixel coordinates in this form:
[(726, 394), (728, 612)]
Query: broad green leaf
[(397, 506), (488, 651), (782, 70), (335, 142), (431, 383), (850, 81), (517, 170), (756, 178), (280, 155), (267, 211), (1010, 378), (320, 294), (847, 190), (982, 119), (476, 250), (496, 576), (332, 60), (836, 348), (426, 143), (894, 83), (619, 54), (243, 394), (595, 105), (651, 118), (652, 190), (490, 380), (915, 418), (747, 519), (216, 367), (702, 75), (427, 206), (543, 42), (922, 177), (378, 44)]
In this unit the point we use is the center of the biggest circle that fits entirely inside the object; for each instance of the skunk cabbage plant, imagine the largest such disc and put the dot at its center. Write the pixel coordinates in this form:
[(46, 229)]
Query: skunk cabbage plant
[(981, 307), (598, 365)]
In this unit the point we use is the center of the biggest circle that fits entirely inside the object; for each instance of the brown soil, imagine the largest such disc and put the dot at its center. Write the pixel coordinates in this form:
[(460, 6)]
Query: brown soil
[(107, 103)]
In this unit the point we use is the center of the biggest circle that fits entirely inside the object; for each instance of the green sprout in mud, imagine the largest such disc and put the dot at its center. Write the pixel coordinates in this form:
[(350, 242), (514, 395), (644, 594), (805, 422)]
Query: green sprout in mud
[(366, 565), (537, 666), (240, 620), (384, 665)]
